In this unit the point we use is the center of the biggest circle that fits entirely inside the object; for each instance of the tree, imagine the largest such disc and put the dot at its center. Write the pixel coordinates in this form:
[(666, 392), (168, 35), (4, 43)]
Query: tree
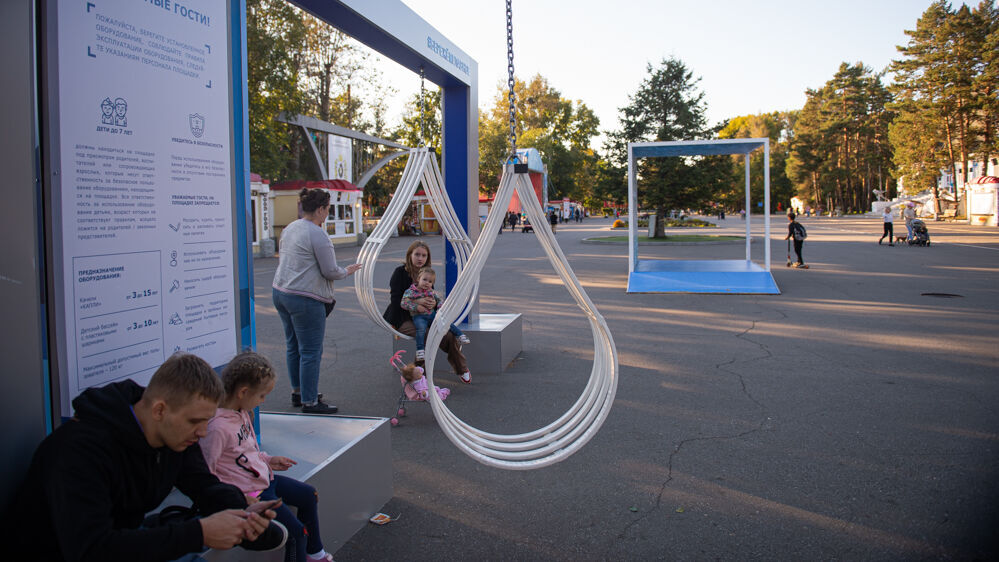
[(560, 129), (838, 149), (986, 85), (410, 133), (275, 33), (776, 126), (945, 92), (667, 106)]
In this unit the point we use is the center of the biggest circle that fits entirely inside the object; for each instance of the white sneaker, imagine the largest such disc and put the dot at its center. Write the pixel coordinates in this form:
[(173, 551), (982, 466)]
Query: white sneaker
[(420, 355), (463, 339), (466, 377)]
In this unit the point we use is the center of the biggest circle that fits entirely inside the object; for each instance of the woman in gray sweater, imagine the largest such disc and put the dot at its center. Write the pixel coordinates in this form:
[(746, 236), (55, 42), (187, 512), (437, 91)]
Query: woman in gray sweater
[(303, 296)]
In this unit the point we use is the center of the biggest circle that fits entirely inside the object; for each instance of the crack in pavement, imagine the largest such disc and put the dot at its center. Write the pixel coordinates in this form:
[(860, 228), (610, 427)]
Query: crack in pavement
[(677, 448)]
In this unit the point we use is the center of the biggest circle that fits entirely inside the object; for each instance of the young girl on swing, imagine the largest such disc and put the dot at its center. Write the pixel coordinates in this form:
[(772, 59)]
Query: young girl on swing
[(232, 454)]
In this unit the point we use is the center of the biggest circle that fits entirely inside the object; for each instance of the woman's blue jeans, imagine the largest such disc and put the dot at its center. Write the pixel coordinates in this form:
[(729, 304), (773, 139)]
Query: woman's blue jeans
[(304, 322)]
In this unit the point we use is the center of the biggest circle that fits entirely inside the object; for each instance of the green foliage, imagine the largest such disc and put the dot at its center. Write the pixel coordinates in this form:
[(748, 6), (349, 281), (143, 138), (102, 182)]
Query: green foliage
[(297, 64), (560, 129), (838, 150), (275, 31), (668, 106), (776, 126), (410, 132), (945, 92)]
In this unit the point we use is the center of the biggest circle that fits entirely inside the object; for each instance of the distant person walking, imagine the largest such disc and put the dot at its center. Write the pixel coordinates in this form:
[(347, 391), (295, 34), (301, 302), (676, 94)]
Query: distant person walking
[(889, 229), (909, 213)]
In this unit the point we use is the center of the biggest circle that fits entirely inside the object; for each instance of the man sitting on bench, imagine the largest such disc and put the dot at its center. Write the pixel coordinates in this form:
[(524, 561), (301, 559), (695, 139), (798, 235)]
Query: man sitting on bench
[(92, 481)]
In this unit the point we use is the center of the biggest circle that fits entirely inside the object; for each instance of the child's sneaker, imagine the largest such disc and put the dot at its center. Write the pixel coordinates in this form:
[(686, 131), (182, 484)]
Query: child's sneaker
[(463, 339), (466, 377), (420, 356)]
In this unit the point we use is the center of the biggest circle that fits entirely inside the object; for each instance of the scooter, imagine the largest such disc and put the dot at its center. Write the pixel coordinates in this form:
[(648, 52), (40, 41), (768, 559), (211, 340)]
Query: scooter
[(789, 263)]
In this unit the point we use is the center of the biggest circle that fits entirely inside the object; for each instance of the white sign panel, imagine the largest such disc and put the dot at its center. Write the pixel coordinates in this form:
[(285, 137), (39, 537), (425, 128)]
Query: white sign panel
[(340, 159), (145, 187)]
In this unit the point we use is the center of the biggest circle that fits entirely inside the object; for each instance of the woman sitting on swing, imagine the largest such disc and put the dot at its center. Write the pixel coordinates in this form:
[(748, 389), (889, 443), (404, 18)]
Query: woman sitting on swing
[(417, 257)]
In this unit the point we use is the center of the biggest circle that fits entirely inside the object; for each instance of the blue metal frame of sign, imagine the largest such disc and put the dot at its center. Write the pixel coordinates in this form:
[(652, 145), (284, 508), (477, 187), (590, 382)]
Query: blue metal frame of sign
[(241, 169), (394, 30)]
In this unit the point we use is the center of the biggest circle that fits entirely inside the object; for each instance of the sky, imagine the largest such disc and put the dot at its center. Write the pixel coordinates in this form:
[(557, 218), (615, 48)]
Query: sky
[(752, 57)]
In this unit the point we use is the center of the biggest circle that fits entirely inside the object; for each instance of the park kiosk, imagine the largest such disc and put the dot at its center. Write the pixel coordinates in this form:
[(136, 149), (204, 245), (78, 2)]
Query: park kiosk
[(344, 223), (262, 217), (983, 201)]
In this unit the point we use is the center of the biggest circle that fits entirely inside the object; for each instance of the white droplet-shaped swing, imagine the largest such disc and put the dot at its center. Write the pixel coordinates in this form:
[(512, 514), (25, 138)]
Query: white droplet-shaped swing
[(421, 167), (567, 434)]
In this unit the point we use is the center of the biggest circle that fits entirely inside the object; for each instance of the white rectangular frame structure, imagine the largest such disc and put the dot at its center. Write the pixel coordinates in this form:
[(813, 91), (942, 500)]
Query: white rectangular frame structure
[(699, 148), (700, 276)]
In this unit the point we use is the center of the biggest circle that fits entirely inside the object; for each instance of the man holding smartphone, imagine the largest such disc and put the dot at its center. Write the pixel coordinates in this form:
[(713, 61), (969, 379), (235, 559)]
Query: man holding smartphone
[(92, 481)]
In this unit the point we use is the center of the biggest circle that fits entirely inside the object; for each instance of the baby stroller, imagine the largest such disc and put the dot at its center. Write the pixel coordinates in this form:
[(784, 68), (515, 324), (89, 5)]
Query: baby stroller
[(415, 391), (920, 236)]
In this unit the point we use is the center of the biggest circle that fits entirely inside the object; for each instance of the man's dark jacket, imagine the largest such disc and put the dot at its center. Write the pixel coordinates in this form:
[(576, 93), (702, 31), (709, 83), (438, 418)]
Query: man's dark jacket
[(93, 480)]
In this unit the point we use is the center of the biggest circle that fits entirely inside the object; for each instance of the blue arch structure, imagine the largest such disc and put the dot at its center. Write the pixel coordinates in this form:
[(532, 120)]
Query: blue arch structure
[(394, 30)]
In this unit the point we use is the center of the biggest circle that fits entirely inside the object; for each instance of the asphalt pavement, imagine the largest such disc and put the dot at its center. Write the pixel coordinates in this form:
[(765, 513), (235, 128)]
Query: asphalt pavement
[(851, 417)]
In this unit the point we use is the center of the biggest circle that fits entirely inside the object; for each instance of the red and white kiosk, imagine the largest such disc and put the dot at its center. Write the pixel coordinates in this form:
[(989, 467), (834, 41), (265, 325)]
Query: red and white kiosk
[(983, 201)]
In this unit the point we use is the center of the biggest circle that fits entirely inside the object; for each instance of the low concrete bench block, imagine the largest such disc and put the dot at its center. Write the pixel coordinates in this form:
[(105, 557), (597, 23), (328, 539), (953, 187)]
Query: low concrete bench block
[(347, 459), (497, 339)]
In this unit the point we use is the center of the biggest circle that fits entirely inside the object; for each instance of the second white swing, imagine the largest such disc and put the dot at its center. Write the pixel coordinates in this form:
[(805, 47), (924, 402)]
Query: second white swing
[(421, 168)]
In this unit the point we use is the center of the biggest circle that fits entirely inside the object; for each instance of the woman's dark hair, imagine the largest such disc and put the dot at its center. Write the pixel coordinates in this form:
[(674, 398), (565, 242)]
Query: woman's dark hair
[(313, 199)]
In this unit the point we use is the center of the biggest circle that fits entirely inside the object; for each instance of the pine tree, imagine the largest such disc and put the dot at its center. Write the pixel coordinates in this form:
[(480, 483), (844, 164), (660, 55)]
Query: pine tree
[(667, 106)]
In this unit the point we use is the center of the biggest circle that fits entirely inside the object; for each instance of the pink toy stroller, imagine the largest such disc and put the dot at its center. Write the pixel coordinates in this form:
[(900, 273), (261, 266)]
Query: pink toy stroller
[(415, 391)]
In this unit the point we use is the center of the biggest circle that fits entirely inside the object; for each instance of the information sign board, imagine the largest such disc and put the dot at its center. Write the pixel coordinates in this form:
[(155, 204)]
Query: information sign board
[(142, 187)]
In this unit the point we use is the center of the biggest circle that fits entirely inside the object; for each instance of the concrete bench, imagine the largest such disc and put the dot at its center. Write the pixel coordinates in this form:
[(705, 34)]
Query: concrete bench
[(497, 339), (347, 459)]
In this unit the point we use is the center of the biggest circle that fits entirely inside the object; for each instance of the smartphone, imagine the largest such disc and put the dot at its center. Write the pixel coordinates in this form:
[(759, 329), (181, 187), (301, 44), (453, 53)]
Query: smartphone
[(263, 506)]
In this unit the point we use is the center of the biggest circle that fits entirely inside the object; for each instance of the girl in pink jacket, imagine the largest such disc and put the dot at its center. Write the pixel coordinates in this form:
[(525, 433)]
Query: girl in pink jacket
[(232, 454)]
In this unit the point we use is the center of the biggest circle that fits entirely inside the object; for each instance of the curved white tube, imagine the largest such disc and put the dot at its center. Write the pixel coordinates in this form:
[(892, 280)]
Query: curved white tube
[(421, 167), (566, 435)]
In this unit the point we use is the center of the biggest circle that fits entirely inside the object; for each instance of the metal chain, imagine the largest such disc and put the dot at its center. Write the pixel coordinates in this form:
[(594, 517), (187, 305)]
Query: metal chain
[(423, 134), (510, 82)]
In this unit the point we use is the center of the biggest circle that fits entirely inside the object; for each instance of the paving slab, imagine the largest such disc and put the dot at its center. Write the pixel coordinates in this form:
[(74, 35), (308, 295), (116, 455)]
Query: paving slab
[(850, 417)]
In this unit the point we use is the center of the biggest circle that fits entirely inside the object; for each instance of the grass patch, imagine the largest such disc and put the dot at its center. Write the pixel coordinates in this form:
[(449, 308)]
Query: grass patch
[(672, 238)]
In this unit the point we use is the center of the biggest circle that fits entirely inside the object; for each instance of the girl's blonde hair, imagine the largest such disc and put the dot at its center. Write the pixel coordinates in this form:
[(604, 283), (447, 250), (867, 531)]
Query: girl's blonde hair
[(246, 369)]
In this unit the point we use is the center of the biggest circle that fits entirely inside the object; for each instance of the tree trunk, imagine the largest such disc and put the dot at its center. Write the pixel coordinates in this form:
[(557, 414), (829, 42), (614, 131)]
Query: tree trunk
[(660, 231), (950, 153)]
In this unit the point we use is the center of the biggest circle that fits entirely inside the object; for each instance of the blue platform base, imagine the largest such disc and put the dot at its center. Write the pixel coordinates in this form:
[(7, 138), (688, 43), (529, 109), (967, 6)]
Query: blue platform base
[(701, 276)]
